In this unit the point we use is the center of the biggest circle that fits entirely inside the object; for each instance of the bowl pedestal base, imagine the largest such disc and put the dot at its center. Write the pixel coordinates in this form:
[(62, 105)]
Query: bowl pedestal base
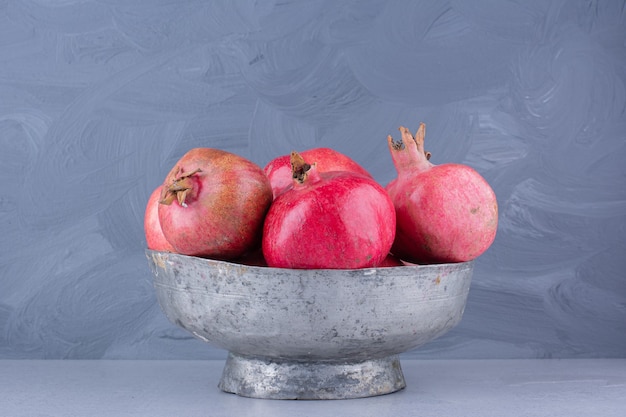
[(259, 377)]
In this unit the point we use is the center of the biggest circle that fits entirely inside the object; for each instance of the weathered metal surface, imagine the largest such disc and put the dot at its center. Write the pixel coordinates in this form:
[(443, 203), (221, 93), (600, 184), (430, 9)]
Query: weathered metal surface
[(310, 333), (311, 380)]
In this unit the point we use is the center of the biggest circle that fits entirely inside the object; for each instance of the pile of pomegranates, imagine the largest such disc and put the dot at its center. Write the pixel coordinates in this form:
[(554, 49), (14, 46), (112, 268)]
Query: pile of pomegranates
[(319, 209)]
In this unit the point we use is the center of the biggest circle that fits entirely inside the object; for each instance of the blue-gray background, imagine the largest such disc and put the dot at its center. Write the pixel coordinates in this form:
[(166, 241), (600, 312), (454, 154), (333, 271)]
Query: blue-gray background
[(99, 98)]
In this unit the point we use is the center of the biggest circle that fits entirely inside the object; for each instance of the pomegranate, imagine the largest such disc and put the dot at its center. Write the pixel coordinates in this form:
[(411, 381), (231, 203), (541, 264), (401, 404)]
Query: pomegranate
[(155, 239), (213, 204), (254, 258), (445, 213), (279, 172), (390, 261), (328, 220)]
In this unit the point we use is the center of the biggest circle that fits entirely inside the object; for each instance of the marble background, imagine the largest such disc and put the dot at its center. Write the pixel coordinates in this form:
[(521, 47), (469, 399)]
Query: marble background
[(98, 99)]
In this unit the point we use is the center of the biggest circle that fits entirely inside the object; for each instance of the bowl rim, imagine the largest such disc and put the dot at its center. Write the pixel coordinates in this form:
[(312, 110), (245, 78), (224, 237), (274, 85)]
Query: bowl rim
[(406, 267)]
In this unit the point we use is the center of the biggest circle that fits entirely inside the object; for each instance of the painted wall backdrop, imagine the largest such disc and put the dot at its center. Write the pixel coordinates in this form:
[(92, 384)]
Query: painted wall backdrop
[(98, 99)]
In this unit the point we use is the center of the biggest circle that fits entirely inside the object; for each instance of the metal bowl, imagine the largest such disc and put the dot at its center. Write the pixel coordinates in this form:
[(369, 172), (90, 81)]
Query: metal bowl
[(310, 334)]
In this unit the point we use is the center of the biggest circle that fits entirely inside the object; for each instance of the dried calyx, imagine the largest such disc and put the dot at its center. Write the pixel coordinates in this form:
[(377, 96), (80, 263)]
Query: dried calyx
[(408, 139), (299, 167), (179, 188)]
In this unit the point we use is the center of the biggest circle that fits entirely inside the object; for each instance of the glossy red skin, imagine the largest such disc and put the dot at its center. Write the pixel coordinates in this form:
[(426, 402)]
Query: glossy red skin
[(343, 221), (225, 212), (279, 169), (446, 213), (155, 239)]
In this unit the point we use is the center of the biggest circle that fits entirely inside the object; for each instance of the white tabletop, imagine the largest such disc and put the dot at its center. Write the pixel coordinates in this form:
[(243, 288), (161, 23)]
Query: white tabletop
[(579, 387)]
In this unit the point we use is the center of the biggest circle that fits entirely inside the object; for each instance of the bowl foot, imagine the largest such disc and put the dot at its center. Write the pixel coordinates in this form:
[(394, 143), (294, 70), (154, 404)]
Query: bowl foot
[(283, 379)]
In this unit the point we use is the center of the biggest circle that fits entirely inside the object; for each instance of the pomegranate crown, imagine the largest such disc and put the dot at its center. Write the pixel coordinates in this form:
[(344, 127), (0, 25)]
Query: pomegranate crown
[(299, 167), (178, 187), (408, 139)]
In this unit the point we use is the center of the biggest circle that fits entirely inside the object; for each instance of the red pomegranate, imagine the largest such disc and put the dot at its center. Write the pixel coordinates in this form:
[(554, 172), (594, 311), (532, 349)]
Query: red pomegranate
[(155, 239), (390, 261), (213, 204), (279, 169), (445, 213), (254, 258), (328, 220)]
